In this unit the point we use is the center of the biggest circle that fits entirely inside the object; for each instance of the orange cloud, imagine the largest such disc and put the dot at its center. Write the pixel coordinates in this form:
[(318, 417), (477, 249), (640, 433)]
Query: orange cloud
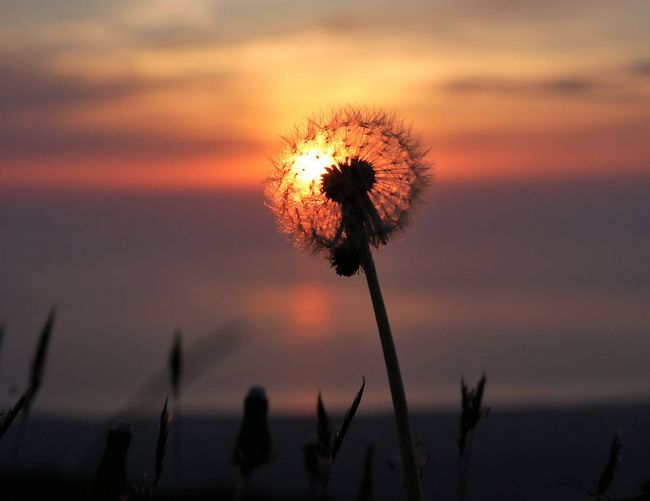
[(200, 96)]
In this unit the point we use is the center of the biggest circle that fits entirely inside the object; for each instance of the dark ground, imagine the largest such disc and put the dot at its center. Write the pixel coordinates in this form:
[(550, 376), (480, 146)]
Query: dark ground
[(518, 455)]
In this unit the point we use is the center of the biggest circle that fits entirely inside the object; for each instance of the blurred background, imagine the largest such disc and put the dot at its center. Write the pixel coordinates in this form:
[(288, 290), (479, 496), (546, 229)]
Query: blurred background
[(135, 138)]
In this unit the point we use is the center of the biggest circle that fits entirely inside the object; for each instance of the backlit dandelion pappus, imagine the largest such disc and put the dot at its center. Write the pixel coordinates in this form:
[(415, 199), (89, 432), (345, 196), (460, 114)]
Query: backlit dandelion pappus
[(347, 180)]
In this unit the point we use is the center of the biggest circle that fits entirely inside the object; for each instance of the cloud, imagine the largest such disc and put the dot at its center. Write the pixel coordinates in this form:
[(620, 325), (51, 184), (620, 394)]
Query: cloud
[(33, 99), (569, 87), (242, 30), (173, 23), (610, 87), (26, 85), (23, 85), (641, 68), (35, 141)]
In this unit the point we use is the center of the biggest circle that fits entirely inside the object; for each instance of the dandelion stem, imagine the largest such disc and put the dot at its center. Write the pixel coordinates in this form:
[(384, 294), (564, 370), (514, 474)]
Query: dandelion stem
[(400, 407)]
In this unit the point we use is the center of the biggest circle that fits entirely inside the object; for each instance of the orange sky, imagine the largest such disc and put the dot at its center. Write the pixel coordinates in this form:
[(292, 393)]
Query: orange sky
[(196, 94)]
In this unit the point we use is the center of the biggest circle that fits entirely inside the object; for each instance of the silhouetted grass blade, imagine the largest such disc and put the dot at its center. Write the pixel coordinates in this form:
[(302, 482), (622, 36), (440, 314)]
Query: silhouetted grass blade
[(161, 445), (347, 420), (38, 362), (35, 380), (608, 472), (11, 414), (324, 430)]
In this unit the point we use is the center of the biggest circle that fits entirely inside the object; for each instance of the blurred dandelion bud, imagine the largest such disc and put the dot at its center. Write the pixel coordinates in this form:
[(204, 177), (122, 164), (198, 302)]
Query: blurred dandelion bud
[(253, 448), (345, 259), (110, 478), (347, 180)]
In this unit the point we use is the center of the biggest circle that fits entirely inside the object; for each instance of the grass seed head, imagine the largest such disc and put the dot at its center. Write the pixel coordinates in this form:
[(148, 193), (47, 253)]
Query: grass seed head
[(472, 410), (176, 364)]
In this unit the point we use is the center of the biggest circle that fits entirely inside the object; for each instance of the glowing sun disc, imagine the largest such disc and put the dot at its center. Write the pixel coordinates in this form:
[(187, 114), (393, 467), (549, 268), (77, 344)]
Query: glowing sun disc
[(310, 165)]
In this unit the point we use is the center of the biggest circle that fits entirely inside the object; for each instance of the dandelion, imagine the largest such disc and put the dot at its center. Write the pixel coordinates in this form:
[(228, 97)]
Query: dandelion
[(347, 180), (344, 183)]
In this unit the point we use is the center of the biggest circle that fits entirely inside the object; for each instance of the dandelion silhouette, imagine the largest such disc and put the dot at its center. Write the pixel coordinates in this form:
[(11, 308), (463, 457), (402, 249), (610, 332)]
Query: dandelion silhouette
[(345, 182)]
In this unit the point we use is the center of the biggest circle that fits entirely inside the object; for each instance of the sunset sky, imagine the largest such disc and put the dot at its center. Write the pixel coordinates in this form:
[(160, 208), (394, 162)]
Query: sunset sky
[(135, 137), (175, 93)]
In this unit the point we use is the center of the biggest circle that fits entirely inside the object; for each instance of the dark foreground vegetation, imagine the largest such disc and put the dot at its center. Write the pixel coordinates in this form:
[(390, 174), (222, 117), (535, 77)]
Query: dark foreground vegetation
[(530, 455), (33, 487)]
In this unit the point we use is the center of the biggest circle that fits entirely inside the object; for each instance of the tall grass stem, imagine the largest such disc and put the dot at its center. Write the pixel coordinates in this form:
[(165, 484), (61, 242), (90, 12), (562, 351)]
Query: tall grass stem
[(463, 470)]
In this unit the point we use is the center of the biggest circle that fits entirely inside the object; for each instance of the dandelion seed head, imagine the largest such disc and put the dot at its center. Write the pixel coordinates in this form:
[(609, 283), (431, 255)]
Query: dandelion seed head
[(351, 171)]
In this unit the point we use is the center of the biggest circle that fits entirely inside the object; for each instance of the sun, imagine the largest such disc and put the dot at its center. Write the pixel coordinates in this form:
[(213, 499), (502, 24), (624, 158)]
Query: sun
[(308, 162), (311, 164)]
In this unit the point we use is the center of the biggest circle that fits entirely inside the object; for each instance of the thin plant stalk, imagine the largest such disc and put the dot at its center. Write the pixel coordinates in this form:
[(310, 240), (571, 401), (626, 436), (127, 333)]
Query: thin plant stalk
[(463, 469), (178, 441), (176, 373), (20, 437), (400, 407), (242, 488)]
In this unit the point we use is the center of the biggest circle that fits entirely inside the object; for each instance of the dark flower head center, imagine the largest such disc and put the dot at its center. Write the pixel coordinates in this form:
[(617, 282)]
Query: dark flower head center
[(348, 181)]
